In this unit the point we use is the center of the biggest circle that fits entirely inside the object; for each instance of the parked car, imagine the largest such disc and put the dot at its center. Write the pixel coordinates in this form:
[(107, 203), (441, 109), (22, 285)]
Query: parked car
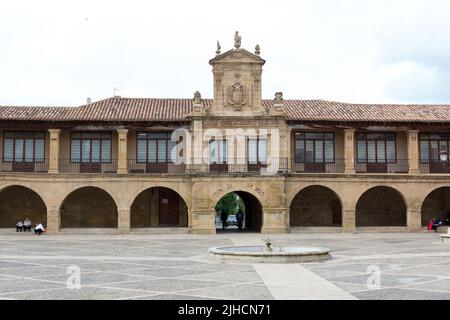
[(232, 221)]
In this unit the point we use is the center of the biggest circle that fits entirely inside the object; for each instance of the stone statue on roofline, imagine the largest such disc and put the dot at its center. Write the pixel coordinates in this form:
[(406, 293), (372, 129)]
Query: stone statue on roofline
[(197, 104), (237, 41), (278, 104), (218, 48)]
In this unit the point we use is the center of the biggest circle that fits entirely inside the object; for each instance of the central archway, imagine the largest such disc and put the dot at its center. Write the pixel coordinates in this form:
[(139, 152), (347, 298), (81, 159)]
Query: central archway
[(381, 207), (249, 205), (18, 203), (89, 207), (159, 207)]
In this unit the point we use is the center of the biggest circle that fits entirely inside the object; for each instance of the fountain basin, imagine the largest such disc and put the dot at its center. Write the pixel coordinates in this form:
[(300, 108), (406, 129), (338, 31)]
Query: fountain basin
[(261, 254)]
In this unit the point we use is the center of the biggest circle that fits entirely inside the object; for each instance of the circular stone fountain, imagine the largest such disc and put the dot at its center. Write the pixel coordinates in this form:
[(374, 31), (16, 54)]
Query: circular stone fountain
[(270, 254)]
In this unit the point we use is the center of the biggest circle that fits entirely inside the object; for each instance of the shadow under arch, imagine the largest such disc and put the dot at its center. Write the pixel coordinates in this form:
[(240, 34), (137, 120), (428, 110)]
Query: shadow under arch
[(159, 207), (18, 203), (381, 206), (88, 207), (253, 213), (436, 205), (316, 206)]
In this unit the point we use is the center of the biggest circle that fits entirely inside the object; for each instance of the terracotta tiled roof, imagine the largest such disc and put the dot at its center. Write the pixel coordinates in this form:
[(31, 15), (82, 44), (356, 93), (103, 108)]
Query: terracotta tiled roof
[(135, 109)]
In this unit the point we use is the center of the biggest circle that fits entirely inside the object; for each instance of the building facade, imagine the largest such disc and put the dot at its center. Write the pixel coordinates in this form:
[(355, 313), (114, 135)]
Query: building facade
[(161, 165)]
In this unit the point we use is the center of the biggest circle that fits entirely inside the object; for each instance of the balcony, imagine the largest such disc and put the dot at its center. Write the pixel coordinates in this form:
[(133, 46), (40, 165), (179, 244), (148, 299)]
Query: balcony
[(318, 167), (435, 167), (400, 166), (135, 166), (67, 166), (28, 165)]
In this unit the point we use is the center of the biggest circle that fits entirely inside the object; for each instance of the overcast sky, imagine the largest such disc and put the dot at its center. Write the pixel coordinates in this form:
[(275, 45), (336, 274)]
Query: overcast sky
[(380, 51)]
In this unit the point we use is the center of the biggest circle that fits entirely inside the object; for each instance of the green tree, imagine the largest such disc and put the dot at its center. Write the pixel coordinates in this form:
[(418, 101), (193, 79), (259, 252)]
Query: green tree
[(230, 203)]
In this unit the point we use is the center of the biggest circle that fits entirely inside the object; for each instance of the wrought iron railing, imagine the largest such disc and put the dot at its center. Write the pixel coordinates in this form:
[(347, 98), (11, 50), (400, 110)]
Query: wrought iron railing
[(336, 166), (69, 166), (398, 166), (25, 165)]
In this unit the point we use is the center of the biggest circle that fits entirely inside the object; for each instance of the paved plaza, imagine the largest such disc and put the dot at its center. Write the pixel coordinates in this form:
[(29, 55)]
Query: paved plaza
[(364, 266)]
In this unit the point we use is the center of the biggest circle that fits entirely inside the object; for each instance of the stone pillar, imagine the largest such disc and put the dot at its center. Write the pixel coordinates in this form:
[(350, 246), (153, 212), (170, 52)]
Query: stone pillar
[(349, 151), (124, 222), (414, 219), (413, 151), (122, 151), (348, 220), (53, 221), (54, 151), (203, 221), (274, 221)]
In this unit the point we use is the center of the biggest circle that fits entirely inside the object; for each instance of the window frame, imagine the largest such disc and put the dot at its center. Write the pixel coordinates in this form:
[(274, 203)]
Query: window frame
[(304, 139), (429, 140), (23, 147), (376, 147), (81, 139), (225, 143), (258, 161), (147, 139)]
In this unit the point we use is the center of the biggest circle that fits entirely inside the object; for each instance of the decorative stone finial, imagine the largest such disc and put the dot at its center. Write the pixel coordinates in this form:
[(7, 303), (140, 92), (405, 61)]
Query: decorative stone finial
[(218, 48), (278, 98), (197, 98), (257, 50), (237, 40)]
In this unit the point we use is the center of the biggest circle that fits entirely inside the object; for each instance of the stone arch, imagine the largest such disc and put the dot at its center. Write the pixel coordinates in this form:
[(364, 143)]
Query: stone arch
[(381, 206), (184, 194), (88, 207), (254, 214), (18, 202), (158, 207), (315, 206), (436, 204)]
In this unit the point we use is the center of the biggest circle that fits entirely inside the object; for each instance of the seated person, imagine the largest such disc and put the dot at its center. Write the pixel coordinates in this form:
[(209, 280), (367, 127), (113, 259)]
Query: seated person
[(39, 229), (437, 223), (27, 225), (19, 226)]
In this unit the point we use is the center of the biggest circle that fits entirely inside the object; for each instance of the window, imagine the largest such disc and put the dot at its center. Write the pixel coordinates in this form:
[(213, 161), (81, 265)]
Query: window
[(434, 147), (256, 151), (90, 147), (155, 147), (23, 146), (315, 147), (376, 148), (218, 151)]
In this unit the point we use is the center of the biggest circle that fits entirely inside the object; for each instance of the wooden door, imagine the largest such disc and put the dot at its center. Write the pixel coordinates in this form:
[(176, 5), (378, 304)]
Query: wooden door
[(169, 207)]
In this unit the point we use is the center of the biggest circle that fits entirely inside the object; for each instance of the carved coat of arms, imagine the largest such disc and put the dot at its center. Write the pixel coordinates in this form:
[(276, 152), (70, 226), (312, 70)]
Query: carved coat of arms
[(236, 95)]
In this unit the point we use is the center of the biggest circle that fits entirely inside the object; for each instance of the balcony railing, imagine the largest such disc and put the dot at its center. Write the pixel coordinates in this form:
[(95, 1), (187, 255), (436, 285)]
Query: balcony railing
[(68, 166), (400, 166), (27, 165), (135, 166), (318, 167), (435, 167)]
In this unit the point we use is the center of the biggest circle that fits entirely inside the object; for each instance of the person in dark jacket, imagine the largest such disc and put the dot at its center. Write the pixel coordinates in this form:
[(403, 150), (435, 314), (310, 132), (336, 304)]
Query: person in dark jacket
[(224, 218), (240, 219)]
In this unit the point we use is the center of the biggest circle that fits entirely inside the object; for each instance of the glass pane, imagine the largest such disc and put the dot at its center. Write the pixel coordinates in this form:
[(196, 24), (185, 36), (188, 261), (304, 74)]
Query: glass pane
[(9, 134), (18, 156), (75, 151), (142, 150), (95, 151), (151, 151), (299, 151), (85, 151), (319, 151), (390, 149), (309, 151), (434, 151), (314, 135), (172, 152), (39, 135), (329, 136), (158, 135), (262, 151), (329, 151), (223, 151), (8, 149), (39, 150), (106, 150), (29, 150), (213, 152), (299, 135), (362, 157), (142, 135), (424, 151), (443, 152), (381, 152), (371, 157), (162, 145), (252, 151)]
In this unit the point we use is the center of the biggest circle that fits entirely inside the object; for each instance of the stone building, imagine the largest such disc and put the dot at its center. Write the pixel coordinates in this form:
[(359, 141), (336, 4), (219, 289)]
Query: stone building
[(299, 165)]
